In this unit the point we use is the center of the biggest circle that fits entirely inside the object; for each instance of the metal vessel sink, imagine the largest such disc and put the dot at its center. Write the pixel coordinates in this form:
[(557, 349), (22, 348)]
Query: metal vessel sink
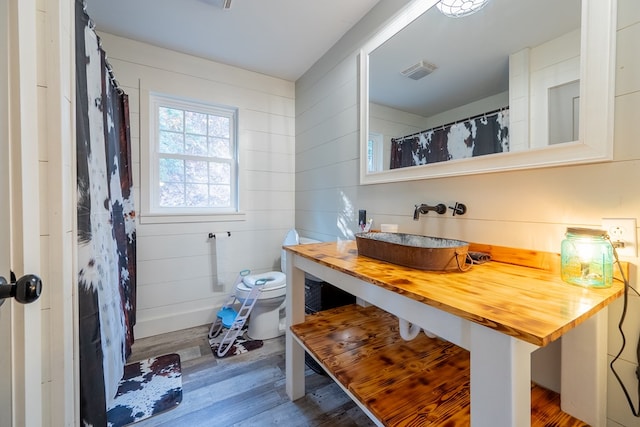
[(413, 250)]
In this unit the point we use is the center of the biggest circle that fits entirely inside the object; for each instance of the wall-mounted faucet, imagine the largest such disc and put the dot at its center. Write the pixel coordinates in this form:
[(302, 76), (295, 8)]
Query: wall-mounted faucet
[(423, 209)]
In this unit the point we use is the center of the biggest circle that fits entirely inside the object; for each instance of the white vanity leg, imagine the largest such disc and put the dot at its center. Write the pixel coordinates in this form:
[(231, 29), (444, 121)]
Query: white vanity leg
[(584, 371), (294, 356), (500, 379)]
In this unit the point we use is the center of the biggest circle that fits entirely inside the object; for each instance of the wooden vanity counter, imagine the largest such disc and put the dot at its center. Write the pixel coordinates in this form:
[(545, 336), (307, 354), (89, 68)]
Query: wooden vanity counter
[(532, 304), (499, 312)]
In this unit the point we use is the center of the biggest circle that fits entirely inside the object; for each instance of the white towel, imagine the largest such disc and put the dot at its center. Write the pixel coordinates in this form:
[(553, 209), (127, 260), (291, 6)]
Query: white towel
[(217, 287)]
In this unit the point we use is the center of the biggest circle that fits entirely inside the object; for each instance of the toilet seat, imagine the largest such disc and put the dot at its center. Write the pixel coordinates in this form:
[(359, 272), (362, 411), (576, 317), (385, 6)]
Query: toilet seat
[(275, 280), (276, 285)]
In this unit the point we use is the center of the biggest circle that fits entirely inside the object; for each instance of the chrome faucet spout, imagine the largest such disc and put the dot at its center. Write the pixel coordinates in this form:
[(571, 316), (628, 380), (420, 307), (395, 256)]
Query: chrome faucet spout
[(423, 209)]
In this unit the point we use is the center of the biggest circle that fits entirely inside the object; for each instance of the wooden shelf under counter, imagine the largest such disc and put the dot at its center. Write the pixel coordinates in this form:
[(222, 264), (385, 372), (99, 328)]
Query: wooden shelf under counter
[(422, 382)]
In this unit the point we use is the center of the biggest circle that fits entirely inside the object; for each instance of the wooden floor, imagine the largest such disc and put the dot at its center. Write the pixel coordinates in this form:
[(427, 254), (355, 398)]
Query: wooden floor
[(244, 390)]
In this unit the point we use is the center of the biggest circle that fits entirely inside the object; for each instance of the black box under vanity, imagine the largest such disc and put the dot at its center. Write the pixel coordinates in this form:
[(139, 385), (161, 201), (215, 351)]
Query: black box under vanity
[(320, 295)]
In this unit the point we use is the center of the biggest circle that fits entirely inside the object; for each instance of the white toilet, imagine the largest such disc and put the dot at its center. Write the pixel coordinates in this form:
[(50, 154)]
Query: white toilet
[(264, 320)]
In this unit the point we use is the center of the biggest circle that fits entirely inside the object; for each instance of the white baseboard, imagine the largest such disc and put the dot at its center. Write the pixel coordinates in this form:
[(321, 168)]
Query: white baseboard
[(173, 322)]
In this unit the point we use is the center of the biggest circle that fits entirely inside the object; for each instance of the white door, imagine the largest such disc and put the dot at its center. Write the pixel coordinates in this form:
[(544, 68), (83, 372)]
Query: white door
[(20, 325), (6, 406), (5, 309)]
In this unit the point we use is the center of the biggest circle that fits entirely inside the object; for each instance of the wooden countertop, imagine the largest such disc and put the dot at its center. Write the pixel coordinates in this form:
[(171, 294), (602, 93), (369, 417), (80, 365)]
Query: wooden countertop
[(532, 304)]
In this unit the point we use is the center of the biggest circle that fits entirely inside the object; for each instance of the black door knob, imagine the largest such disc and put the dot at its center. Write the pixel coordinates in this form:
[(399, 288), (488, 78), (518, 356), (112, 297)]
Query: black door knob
[(25, 290)]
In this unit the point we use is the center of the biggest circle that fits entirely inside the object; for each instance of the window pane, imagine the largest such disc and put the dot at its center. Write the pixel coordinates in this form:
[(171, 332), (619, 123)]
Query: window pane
[(171, 195), (219, 173), (196, 171), (171, 170), (197, 195), (219, 147), (195, 157), (170, 119), (171, 142), (196, 145), (220, 195), (195, 123), (219, 126)]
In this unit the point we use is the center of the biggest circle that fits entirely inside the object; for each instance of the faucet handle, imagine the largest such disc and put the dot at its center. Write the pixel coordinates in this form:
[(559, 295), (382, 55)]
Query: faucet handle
[(458, 209)]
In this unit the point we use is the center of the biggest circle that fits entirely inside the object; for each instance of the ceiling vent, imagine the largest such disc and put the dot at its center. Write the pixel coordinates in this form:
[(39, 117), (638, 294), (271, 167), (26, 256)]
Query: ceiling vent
[(419, 70)]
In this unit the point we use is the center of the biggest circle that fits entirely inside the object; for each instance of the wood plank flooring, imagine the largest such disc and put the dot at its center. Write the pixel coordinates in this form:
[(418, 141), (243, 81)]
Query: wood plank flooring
[(244, 390)]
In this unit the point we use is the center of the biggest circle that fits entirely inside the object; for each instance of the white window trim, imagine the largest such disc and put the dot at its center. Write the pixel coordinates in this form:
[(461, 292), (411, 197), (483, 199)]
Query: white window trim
[(149, 214), (377, 141)]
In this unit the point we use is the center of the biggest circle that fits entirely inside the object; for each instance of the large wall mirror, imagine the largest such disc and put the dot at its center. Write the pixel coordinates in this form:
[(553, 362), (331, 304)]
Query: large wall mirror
[(518, 84)]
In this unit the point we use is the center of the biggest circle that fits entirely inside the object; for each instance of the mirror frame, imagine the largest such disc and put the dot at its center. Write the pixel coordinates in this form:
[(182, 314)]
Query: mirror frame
[(597, 80)]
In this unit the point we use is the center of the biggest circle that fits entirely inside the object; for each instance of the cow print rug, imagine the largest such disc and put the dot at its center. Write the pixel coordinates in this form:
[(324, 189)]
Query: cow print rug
[(241, 345), (147, 388)]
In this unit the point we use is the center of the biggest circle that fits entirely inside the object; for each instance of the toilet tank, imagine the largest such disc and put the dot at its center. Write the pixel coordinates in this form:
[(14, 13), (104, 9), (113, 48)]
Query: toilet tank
[(307, 240), (292, 238)]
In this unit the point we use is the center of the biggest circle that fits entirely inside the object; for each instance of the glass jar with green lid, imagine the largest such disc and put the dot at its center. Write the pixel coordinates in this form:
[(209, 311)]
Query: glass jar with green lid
[(587, 258)]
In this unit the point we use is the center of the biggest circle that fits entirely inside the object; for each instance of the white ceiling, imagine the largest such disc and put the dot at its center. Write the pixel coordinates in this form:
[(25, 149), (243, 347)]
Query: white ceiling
[(280, 38), (284, 38)]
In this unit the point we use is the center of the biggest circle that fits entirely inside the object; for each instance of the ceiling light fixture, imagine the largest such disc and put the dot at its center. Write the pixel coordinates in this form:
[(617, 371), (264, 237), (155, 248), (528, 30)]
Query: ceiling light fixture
[(226, 4), (460, 8)]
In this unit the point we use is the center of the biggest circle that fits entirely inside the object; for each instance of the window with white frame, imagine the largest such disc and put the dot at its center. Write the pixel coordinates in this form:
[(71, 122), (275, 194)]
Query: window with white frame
[(193, 157), (374, 152)]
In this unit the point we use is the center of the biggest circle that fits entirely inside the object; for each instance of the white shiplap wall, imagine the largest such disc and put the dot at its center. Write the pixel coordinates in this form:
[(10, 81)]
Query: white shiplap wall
[(60, 48), (175, 267), (526, 209), (54, 27)]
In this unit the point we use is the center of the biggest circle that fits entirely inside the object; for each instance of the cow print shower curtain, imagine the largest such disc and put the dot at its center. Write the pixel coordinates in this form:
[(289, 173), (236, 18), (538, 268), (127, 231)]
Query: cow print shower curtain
[(106, 226), (478, 136)]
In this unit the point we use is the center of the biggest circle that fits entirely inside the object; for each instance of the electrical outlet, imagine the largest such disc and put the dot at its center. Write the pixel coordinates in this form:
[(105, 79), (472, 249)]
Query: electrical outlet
[(622, 232)]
